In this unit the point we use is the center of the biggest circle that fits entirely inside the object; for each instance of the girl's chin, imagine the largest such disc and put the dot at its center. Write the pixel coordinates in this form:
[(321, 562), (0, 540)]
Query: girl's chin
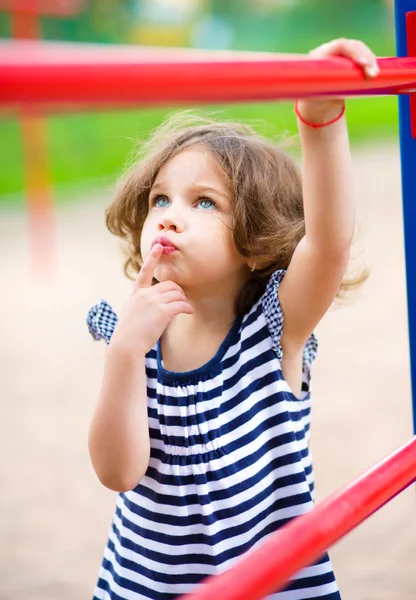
[(166, 273)]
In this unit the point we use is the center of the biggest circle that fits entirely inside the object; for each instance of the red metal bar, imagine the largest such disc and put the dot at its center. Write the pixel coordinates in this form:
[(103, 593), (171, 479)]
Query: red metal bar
[(39, 197), (33, 126), (25, 25), (102, 75), (411, 51), (43, 7), (300, 542)]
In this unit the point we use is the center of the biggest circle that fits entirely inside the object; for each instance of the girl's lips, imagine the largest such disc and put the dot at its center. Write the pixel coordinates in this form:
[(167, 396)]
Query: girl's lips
[(168, 249)]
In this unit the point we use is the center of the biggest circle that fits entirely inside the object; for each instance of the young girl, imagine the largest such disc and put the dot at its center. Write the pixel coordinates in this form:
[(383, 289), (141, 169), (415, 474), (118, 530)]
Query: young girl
[(202, 422)]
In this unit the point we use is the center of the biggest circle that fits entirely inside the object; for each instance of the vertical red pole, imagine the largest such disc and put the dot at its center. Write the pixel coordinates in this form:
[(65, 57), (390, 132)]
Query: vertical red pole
[(411, 51), (25, 25), (39, 201)]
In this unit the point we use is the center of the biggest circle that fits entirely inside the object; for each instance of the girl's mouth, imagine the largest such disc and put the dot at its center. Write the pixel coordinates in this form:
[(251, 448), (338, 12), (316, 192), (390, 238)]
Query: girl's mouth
[(168, 247)]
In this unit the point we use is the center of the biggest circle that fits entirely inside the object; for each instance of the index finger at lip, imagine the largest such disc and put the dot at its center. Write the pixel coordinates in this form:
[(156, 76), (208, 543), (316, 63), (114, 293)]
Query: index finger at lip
[(145, 277)]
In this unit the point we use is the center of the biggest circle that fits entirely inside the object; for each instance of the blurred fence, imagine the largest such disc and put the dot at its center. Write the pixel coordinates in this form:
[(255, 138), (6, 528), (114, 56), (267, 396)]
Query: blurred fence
[(87, 147), (278, 25)]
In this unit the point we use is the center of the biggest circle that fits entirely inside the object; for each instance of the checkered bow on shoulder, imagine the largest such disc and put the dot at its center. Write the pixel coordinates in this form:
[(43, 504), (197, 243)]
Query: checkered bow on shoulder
[(101, 320)]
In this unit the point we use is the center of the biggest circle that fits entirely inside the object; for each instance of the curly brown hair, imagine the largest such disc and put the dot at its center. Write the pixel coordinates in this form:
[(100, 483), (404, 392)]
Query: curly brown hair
[(265, 189)]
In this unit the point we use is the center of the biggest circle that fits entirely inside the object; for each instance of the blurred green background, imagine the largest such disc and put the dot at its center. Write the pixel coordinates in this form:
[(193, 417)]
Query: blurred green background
[(91, 149)]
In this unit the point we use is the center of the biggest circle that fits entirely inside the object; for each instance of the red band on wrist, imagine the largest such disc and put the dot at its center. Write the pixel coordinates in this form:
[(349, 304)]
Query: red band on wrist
[(317, 125)]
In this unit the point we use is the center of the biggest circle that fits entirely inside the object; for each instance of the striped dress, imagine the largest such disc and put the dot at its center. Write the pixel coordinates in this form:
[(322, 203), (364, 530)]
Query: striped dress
[(229, 464)]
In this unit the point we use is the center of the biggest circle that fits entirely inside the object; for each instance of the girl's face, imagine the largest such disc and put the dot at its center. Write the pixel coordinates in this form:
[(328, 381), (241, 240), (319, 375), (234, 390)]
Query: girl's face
[(190, 206)]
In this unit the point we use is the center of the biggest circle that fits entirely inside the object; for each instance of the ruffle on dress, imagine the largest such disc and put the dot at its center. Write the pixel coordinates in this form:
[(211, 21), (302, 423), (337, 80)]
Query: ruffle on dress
[(101, 320), (274, 318)]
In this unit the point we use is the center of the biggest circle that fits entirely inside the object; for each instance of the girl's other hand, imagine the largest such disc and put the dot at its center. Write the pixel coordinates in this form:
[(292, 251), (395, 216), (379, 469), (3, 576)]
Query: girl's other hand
[(357, 51), (321, 110)]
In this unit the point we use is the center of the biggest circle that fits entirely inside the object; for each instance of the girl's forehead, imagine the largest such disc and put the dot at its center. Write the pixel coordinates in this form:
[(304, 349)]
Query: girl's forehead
[(193, 165)]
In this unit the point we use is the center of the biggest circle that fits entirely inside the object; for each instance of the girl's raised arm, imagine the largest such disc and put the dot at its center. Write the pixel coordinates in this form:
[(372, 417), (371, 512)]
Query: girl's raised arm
[(320, 259)]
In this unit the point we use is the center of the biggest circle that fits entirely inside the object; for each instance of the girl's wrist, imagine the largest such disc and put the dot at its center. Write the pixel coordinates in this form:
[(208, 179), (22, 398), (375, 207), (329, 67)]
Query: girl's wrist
[(319, 112)]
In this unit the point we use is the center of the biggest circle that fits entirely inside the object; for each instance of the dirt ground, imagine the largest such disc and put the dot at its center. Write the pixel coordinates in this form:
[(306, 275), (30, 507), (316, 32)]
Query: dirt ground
[(55, 513)]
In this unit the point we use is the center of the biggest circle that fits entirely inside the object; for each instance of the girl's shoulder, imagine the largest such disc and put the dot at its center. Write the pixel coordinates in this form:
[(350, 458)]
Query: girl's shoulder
[(101, 321), (267, 311), (268, 305)]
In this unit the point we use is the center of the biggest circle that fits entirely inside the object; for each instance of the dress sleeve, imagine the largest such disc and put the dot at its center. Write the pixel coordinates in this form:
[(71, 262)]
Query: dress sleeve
[(101, 320), (274, 318)]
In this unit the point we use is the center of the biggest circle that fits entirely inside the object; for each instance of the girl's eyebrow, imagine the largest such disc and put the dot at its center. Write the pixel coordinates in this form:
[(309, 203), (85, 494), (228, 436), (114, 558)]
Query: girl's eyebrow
[(155, 186), (206, 188), (200, 188)]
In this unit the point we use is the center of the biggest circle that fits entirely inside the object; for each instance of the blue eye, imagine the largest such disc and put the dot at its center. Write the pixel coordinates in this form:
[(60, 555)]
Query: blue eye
[(163, 202), (159, 201), (207, 200)]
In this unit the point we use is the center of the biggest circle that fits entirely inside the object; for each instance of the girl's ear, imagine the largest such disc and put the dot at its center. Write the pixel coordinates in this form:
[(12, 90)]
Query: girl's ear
[(253, 267)]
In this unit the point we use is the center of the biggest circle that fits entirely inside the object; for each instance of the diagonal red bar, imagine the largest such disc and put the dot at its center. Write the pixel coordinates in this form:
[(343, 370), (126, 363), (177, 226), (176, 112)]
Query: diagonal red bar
[(50, 73), (300, 542)]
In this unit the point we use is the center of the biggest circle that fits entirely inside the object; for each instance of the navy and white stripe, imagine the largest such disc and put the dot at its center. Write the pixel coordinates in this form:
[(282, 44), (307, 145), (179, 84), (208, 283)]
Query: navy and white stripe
[(229, 464)]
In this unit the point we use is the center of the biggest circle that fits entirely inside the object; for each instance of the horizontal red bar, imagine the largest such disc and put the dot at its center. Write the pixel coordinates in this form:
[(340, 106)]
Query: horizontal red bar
[(49, 73), (300, 542), (43, 7)]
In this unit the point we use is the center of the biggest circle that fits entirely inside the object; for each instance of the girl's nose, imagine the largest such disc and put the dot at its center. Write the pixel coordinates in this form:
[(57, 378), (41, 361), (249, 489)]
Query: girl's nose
[(170, 221), (166, 225)]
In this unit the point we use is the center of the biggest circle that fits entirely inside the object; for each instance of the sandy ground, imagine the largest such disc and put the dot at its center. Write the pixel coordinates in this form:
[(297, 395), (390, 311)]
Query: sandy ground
[(55, 514)]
